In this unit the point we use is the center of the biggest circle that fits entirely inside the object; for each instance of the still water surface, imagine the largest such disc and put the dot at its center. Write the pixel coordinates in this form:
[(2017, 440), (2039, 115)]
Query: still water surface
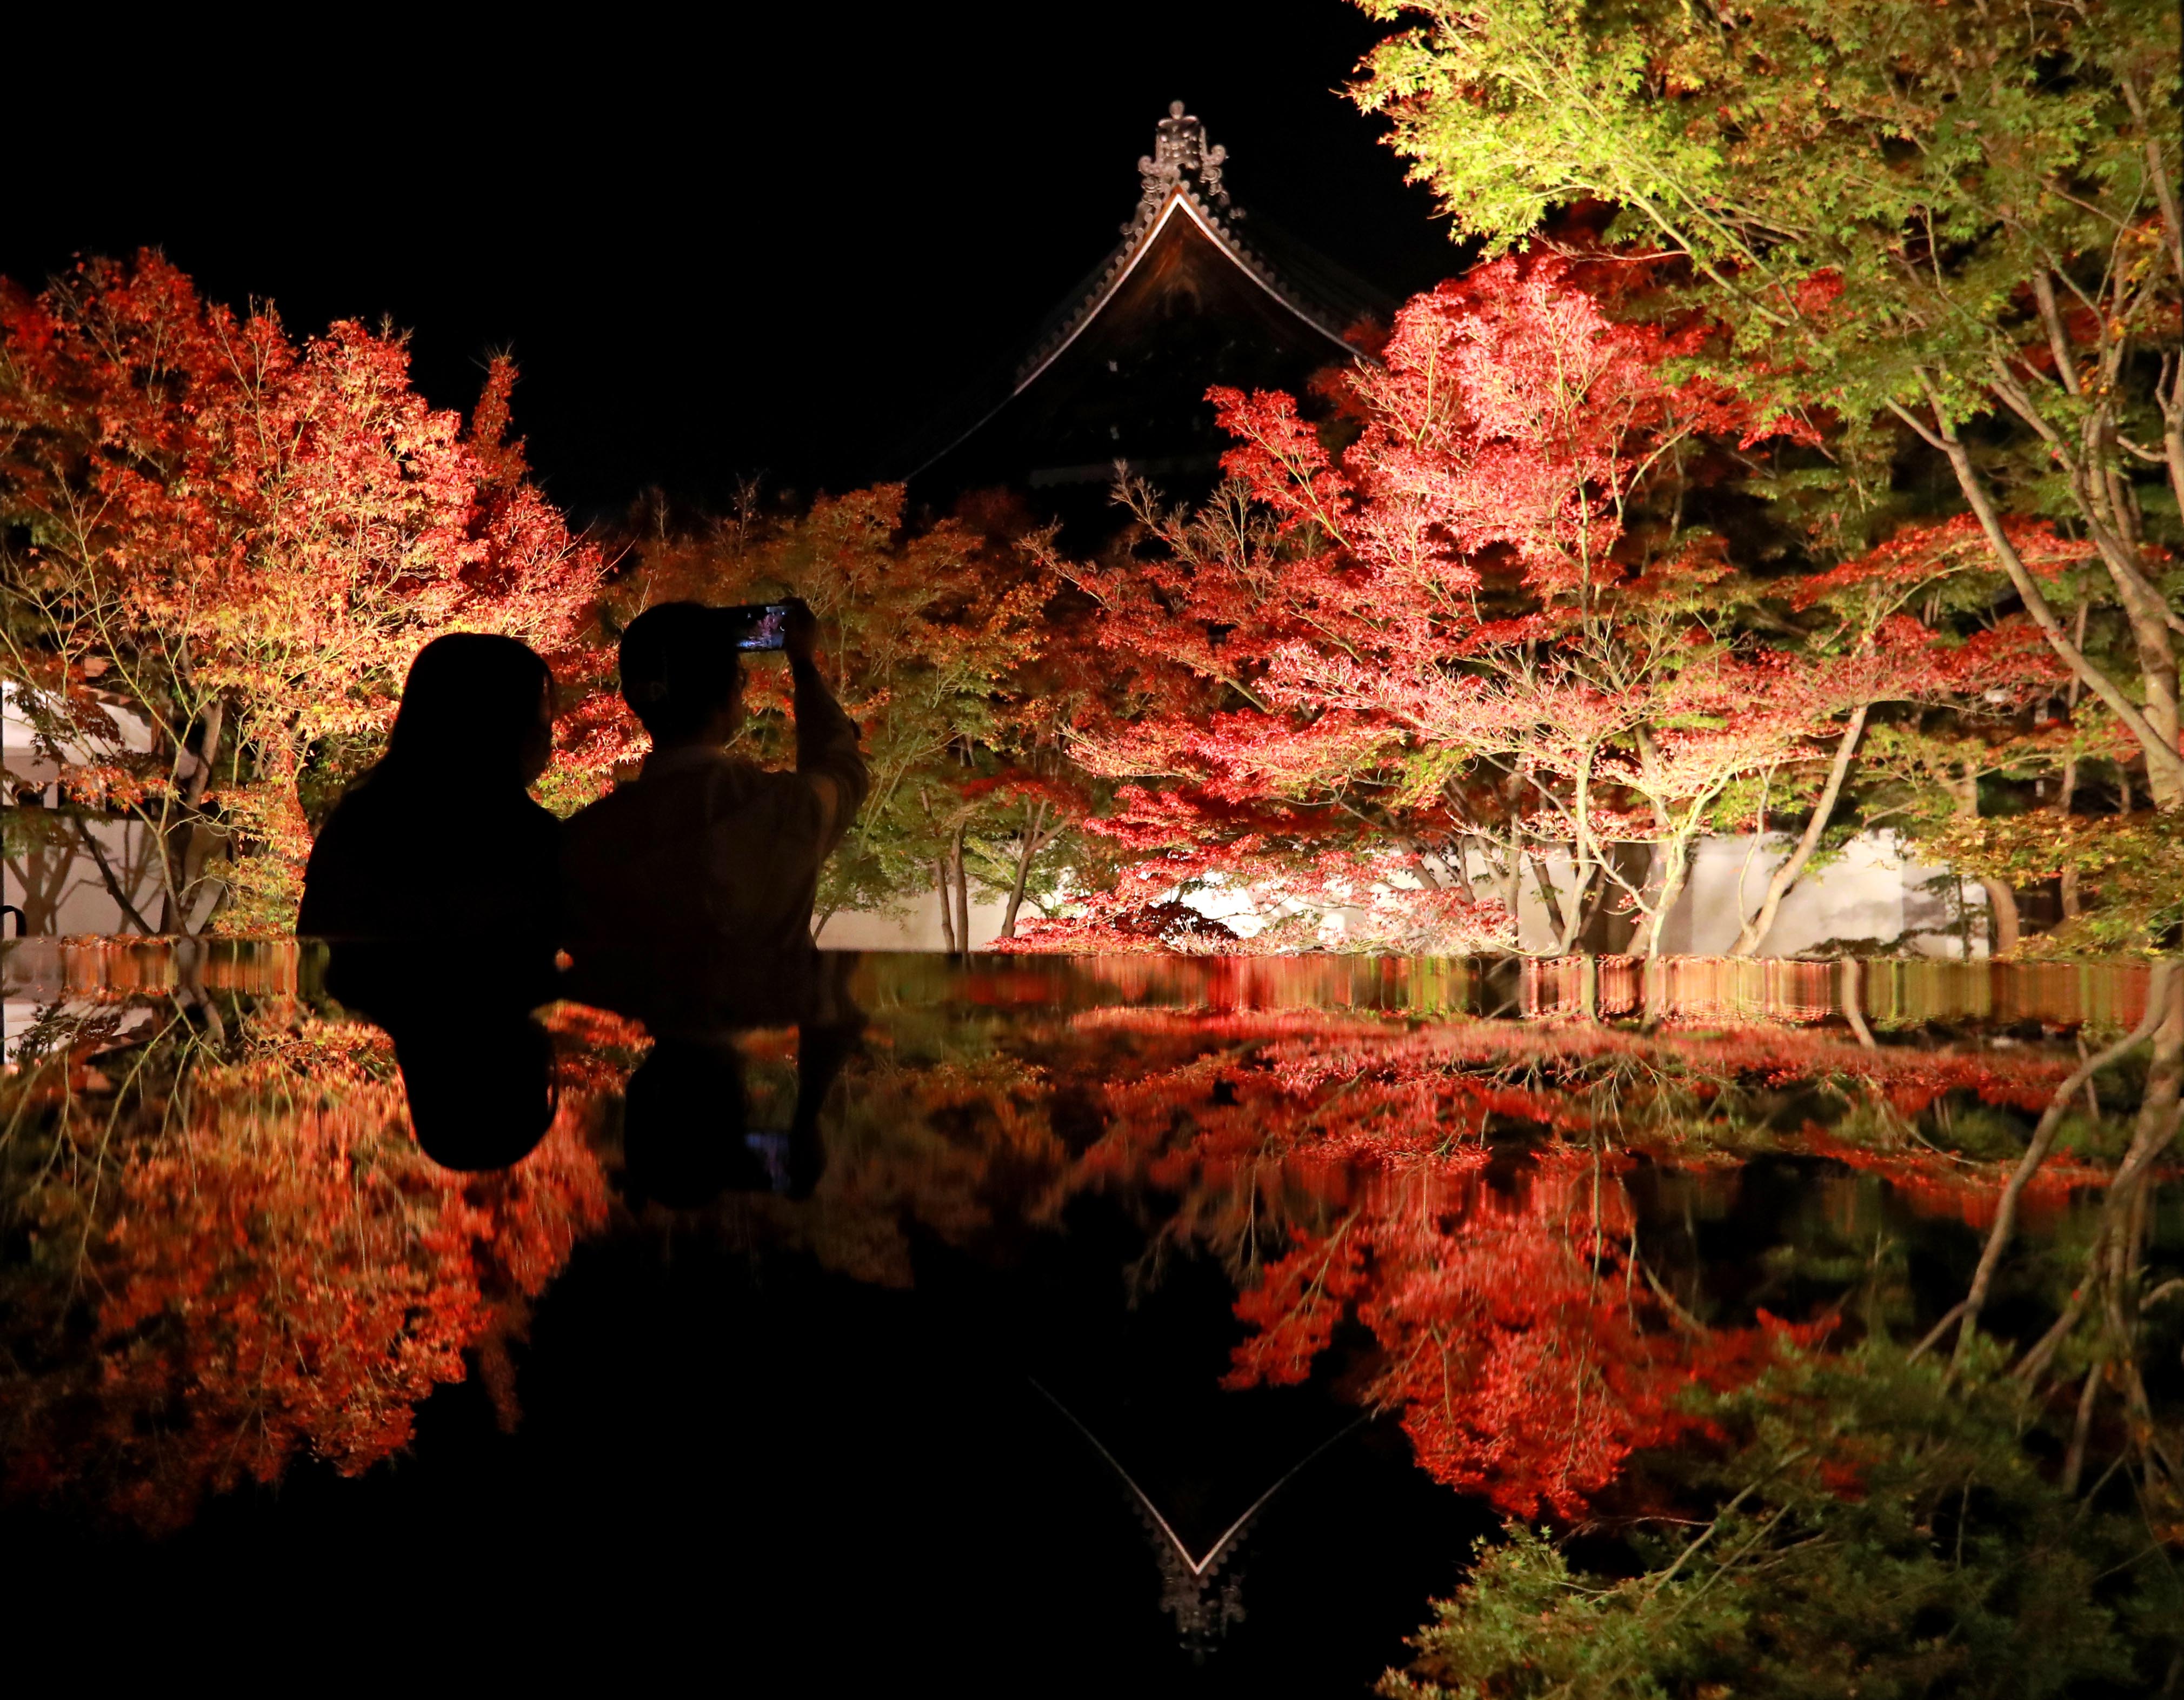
[(1138, 1322)]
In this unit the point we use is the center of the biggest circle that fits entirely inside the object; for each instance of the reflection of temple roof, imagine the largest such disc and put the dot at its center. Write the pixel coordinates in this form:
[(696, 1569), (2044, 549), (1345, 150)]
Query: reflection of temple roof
[(1196, 294)]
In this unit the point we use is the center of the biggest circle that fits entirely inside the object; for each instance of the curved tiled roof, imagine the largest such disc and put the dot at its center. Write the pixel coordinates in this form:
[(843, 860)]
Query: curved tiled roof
[(1183, 178)]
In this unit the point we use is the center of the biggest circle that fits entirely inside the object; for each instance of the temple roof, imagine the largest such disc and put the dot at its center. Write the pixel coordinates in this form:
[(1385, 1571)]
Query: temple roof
[(1195, 293)]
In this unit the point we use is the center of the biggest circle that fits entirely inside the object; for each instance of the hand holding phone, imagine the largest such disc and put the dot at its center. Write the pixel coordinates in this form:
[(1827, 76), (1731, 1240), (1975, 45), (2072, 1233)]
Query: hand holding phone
[(800, 630)]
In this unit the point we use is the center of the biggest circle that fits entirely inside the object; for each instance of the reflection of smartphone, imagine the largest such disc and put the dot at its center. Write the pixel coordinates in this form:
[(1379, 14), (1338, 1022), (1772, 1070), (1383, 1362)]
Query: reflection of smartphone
[(765, 624)]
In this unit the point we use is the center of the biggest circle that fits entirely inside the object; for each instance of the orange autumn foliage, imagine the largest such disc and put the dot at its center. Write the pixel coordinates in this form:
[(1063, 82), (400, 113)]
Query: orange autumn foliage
[(236, 541)]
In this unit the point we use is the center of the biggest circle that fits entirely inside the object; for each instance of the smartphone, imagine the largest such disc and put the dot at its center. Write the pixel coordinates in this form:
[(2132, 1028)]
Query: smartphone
[(765, 624)]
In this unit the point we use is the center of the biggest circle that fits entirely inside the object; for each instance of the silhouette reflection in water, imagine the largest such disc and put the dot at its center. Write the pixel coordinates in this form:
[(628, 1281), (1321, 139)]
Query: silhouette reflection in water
[(687, 1133)]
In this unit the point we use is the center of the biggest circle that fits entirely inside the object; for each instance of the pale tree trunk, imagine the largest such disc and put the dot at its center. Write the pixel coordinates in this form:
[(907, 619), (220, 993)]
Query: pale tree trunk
[(947, 907), (1029, 847), (1676, 858), (2003, 927), (2154, 729), (962, 893), (1548, 900), (2072, 908), (183, 844), (1755, 931), (1664, 880), (1584, 867), (1853, 1000)]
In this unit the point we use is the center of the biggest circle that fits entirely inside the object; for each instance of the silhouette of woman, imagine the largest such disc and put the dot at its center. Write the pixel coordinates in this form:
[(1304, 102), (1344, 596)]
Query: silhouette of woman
[(434, 881), (442, 839)]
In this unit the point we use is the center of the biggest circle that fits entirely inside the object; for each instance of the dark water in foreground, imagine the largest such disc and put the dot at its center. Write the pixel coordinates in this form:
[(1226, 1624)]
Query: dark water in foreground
[(1099, 1325)]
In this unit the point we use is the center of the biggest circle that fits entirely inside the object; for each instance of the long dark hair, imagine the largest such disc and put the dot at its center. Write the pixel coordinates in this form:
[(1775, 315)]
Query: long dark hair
[(470, 709)]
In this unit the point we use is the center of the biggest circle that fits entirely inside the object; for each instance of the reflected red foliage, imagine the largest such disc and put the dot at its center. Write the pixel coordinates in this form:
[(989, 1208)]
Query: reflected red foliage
[(277, 1271), (1512, 1320), (1515, 1333)]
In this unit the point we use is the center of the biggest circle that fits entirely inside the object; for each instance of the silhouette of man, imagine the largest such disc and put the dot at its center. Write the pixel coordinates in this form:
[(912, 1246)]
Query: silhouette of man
[(690, 887)]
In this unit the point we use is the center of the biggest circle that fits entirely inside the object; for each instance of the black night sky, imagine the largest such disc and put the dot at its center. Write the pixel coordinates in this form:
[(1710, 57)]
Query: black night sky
[(780, 246)]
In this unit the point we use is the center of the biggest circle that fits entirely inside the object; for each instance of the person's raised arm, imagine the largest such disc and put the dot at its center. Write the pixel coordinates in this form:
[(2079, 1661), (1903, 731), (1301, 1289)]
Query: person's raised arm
[(827, 758)]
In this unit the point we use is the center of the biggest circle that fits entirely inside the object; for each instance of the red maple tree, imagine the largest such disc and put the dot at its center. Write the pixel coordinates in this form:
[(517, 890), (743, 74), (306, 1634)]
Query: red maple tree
[(236, 542), (1477, 636)]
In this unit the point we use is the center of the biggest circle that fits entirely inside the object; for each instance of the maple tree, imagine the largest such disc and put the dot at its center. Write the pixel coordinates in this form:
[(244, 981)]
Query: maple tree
[(1400, 678), (1928, 232), (232, 544)]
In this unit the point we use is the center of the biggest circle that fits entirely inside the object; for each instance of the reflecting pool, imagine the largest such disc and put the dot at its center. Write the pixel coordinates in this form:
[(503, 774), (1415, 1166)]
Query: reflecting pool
[(1095, 1325)]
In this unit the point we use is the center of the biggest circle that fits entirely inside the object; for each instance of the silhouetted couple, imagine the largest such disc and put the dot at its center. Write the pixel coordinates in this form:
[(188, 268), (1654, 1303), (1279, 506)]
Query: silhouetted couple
[(683, 898)]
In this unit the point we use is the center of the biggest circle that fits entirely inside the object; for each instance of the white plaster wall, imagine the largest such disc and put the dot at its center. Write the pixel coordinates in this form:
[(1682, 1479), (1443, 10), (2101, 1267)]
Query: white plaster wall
[(915, 928), (1874, 892), (58, 888)]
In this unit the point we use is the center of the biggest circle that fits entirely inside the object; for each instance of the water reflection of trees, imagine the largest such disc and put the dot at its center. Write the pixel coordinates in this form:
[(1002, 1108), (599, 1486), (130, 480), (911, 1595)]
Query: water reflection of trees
[(1441, 1216), (225, 1250)]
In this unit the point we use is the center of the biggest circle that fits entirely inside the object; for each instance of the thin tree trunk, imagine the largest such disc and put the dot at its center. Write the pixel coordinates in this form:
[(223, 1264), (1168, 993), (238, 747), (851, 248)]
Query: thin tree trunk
[(2158, 1002), (2074, 1461), (181, 846), (1032, 845), (1853, 997), (2003, 928), (1676, 870), (1552, 903), (947, 909), (2154, 729), (962, 893), (1656, 897), (208, 752), (1585, 907), (1755, 931)]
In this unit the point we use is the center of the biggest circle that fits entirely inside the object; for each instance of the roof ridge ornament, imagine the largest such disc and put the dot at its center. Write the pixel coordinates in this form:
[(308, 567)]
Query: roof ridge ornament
[(1180, 156)]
